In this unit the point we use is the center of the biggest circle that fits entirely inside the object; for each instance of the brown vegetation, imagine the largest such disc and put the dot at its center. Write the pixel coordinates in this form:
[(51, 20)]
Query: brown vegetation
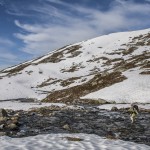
[(129, 50), (69, 81), (145, 72), (73, 68), (17, 69), (46, 83), (74, 93)]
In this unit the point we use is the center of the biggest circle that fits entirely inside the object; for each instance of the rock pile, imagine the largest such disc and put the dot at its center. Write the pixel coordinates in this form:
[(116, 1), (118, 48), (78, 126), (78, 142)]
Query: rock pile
[(114, 124), (9, 124)]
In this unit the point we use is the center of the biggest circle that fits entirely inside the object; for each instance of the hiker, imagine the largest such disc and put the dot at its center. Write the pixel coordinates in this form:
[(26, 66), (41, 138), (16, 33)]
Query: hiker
[(134, 111)]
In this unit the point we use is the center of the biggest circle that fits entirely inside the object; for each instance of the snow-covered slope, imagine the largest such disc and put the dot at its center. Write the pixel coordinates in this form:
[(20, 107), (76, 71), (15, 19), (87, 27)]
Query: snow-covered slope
[(136, 88), (114, 67)]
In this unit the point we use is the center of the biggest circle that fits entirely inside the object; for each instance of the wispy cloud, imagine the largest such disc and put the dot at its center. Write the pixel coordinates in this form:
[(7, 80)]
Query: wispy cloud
[(7, 59), (6, 54), (6, 46), (60, 27), (6, 42), (147, 0)]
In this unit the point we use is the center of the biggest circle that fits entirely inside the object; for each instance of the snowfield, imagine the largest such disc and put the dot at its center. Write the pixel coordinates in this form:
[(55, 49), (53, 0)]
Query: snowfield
[(14, 105), (109, 106), (77, 64), (136, 88), (59, 142)]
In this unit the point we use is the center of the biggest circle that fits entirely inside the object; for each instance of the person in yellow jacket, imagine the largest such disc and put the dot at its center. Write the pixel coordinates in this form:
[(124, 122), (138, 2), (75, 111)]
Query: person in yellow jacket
[(134, 111)]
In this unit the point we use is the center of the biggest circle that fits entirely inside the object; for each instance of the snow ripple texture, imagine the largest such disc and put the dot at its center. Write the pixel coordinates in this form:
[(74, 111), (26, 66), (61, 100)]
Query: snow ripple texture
[(59, 142)]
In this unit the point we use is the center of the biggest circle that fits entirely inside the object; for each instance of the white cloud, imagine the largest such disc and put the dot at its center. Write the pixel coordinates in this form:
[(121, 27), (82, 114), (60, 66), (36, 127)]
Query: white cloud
[(7, 57), (64, 28), (6, 42)]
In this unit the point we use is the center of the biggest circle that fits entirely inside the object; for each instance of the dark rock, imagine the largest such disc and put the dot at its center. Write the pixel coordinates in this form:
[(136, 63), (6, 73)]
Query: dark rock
[(114, 109), (3, 113), (81, 126), (54, 120)]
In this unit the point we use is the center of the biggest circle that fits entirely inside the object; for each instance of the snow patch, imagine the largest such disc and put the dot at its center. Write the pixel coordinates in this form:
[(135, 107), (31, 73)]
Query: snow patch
[(26, 106), (59, 142), (136, 88)]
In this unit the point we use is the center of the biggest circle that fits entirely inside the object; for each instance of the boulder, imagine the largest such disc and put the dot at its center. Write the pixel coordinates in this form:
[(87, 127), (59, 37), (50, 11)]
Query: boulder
[(12, 126), (3, 113), (66, 127), (114, 109), (14, 119), (2, 126), (3, 119)]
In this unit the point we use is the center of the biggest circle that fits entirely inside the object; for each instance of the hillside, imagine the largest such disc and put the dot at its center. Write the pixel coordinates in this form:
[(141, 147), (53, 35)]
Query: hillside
[(112, 68)]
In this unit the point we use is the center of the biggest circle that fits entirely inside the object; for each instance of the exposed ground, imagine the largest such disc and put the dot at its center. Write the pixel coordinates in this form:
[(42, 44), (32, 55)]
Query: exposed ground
[(114, 124)]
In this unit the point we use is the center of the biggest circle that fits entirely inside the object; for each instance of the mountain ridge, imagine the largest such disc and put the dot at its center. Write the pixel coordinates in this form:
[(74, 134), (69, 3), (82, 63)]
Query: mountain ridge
[(74, 72)]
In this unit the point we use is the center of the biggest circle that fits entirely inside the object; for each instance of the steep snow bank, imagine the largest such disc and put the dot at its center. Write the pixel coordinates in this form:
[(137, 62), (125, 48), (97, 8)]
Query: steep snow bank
[(136, 88)]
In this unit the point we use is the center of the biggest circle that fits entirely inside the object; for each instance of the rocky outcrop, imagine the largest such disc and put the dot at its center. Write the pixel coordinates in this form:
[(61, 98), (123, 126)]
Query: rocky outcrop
[(8, 122)]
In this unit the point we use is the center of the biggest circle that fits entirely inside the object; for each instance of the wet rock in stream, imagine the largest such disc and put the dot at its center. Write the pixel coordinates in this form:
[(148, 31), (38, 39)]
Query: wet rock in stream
[(110, 124)]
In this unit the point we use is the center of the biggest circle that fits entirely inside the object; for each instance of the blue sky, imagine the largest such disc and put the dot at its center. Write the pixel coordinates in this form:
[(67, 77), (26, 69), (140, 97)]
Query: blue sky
[(31, 28)]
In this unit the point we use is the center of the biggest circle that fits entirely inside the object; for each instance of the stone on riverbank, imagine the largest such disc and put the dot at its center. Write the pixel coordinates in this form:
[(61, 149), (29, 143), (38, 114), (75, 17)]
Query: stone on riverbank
[(3, 113)]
